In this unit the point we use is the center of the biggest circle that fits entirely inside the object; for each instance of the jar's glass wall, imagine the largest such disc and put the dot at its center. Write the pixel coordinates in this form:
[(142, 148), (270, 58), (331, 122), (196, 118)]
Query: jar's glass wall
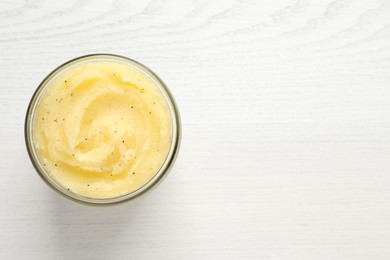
[(170, 158)]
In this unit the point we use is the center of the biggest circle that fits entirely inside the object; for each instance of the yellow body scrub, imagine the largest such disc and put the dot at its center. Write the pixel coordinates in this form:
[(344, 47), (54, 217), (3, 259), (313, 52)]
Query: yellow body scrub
[(102, 127)]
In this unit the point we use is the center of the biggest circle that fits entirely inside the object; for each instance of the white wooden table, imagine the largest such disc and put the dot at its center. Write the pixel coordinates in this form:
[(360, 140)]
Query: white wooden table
[(286, 118)]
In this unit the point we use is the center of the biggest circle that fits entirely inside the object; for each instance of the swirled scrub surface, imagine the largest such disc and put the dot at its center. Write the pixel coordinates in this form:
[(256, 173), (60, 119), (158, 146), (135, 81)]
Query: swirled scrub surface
[(102, 129)]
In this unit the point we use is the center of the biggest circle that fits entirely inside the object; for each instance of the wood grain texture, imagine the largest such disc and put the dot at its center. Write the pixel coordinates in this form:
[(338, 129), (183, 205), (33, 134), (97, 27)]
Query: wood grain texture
[(286, 129)]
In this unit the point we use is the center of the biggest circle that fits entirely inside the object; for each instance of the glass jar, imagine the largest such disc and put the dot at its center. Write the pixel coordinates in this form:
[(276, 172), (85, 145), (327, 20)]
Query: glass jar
[(158, 176)]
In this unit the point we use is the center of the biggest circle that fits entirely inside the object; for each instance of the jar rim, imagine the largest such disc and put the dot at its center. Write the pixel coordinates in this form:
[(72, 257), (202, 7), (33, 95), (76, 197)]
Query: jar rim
[(158, 176)]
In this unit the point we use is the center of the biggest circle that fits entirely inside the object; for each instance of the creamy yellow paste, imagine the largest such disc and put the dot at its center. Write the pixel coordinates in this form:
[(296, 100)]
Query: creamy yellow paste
[(102, 129)]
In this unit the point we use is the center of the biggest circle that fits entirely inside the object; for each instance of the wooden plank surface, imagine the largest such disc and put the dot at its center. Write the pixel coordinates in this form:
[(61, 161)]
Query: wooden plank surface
[(286, 129)]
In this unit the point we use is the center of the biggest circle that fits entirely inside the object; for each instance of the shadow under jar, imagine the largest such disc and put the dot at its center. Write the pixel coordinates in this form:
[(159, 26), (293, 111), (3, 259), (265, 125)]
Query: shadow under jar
[(102, 129)]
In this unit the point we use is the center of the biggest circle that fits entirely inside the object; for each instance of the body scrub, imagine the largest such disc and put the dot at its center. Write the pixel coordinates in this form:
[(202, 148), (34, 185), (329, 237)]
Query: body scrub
[(102, 129)]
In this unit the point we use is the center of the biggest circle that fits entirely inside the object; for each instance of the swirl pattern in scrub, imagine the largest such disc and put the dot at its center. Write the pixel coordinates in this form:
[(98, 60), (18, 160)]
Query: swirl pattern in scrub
[(102, 129)]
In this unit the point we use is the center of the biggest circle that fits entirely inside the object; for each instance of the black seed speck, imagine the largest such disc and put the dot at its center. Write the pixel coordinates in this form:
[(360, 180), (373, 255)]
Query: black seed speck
[(65, 81), (55, 165), (123, 141), (43, 118), (133, 173), (131, 106)]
